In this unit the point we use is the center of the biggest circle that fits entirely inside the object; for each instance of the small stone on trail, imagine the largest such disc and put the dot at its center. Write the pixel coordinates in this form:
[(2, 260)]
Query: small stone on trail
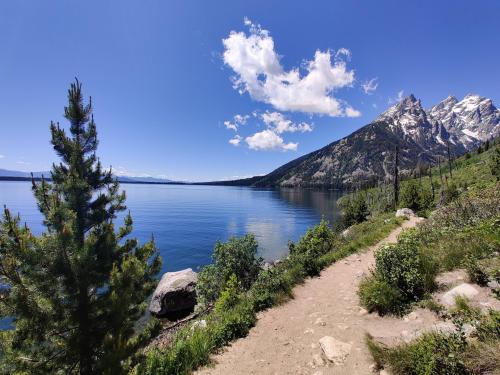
[(320, 322), (335, 351)]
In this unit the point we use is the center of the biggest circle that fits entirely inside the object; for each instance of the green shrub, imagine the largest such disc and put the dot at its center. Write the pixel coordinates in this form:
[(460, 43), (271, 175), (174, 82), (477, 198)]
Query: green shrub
[(238, 256), (463, 312), (316, 242), (430, 354), (474, 271), (271, 287), (191, 348), (409, 195), (230, 296), (407, 269), (450, 193), (416, 196), (403, 274), (376, 294), (354, 210)]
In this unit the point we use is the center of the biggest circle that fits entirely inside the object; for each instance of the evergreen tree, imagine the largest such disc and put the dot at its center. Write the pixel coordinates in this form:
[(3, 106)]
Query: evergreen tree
[(76, 292)]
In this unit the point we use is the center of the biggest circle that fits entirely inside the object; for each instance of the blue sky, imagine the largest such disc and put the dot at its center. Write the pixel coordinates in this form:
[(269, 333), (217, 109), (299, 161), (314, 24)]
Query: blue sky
[(168, 77)]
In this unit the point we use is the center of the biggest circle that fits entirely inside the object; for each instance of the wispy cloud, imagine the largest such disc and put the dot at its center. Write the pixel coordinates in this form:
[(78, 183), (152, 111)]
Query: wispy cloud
[(258, 72), (370, 86), (235, 123), (2, 156), (398, 98), (235, 141)]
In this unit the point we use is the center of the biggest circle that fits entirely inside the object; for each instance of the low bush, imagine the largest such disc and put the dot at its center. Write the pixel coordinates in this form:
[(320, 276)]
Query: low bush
[(378, 295), (406, 268), (354, 209), (271, 287), (430, 354), (316, 242), (236, 257), (192, 347), (416, 196), (403, 274)]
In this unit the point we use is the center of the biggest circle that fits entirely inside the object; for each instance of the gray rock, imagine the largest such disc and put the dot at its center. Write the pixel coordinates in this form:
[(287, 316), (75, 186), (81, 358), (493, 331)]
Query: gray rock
[(175, 293), (493, 284), (335, 351), (464, 289), (405, 212)]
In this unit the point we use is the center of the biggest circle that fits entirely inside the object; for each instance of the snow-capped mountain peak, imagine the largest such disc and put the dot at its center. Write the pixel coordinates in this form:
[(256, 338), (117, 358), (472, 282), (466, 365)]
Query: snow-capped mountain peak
[(472, 120)]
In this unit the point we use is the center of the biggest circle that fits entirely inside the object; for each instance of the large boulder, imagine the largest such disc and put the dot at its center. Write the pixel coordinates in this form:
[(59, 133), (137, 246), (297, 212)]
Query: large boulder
[(175, 293), (464, 290), (406, 212)]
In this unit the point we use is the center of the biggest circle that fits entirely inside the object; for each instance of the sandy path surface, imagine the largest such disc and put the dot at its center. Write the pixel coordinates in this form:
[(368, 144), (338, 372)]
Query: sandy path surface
[(285, 339)]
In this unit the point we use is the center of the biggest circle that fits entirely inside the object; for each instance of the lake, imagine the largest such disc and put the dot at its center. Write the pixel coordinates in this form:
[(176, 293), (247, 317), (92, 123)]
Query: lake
[(187, 220)]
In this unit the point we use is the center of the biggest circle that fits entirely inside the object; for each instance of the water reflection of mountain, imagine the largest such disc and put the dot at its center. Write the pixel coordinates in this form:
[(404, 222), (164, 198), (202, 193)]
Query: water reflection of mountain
[(324, 202)]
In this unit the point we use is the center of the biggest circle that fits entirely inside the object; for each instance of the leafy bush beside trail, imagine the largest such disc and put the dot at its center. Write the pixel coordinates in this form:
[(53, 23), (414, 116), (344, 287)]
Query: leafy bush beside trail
[(236, 257)]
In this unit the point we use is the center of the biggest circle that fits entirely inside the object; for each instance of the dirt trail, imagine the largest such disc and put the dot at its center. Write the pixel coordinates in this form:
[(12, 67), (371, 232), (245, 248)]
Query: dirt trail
[(285, 338)]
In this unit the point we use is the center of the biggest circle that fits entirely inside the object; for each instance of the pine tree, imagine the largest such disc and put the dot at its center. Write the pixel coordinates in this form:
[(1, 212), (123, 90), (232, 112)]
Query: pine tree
[(76, 292)]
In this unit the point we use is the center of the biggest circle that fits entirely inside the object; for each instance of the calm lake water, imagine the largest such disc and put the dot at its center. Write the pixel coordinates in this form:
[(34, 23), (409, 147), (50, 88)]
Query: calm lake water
[(186, 221)]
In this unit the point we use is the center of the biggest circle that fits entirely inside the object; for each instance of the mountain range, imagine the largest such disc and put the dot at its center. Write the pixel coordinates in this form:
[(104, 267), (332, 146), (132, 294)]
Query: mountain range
[(7, 174), (367, 154)]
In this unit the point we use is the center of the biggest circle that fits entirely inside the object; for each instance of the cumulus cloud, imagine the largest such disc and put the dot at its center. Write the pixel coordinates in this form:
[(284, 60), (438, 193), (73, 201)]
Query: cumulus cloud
[(269, 140), (235, 141), (370, 86), (236, 122), (258, 71), (280, 124)]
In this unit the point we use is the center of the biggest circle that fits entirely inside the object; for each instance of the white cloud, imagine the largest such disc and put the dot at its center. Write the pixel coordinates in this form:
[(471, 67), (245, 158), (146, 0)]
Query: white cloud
[(370, 86), (21, 162), (280, 124), (374, 105), (259, 72), (236, 122), (2, 156), (269, 140), (398, 98), (235, 141)]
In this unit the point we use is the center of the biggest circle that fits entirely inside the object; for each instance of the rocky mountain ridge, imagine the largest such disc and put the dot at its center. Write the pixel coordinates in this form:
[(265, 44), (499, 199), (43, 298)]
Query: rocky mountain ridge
[(422, 135)]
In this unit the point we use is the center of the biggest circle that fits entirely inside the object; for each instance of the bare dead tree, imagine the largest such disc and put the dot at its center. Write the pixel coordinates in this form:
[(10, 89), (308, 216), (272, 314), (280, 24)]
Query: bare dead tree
[(396, 177)]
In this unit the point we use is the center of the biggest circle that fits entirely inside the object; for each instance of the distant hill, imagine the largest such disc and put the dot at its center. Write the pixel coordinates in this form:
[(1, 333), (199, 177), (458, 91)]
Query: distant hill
[(367, 154), (6, 174)]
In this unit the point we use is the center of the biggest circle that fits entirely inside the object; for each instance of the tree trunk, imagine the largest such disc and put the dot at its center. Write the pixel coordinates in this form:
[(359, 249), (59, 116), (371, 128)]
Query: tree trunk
[(396, 177)]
